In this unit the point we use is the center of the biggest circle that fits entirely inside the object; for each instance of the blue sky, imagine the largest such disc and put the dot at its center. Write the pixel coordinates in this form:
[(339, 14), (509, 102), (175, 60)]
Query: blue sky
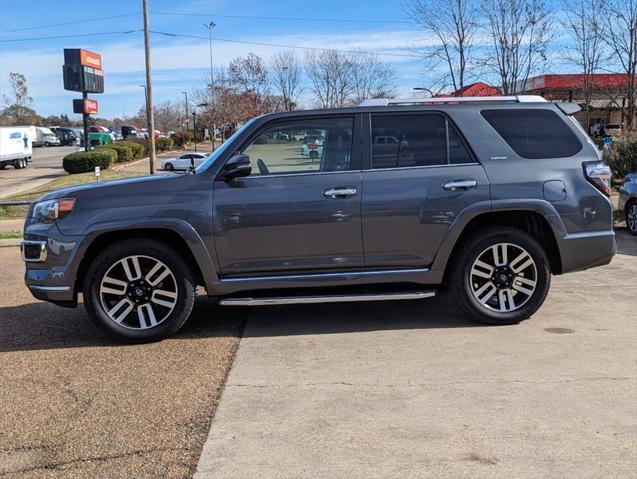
[(180, 63)]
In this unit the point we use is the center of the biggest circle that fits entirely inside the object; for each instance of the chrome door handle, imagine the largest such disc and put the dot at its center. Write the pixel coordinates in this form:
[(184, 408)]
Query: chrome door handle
[(340, 192), (460, 185)]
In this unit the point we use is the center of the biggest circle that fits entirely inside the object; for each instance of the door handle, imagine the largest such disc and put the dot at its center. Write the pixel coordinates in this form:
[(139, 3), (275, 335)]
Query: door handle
[(340, 192), (460, 185)]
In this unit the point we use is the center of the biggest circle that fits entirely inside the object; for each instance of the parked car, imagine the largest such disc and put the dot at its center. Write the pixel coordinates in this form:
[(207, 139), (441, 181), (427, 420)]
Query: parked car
[(489, 199), (183, 161), (129, 131), (312, 147), (628, 202), (66, 135), (45, 137)]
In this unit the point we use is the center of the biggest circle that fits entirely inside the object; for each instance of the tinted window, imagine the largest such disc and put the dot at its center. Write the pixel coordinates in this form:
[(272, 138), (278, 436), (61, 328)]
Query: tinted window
[(458, 153), (534, 133), (415, 140), (302, 146)]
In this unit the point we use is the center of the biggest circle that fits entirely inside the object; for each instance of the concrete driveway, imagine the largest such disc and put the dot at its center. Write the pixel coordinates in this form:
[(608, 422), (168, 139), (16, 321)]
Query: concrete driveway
[(415, 390)]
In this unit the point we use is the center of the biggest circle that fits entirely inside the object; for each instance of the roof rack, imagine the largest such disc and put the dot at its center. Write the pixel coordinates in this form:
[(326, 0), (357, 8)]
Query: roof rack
[(452, 100)]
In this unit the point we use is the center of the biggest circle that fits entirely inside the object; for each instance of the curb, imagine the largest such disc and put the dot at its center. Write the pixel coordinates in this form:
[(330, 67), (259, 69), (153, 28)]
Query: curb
[(6, 243)]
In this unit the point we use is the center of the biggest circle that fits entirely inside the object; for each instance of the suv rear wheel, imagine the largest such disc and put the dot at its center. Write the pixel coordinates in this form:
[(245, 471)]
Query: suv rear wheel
[(139, 291), (501, 276)]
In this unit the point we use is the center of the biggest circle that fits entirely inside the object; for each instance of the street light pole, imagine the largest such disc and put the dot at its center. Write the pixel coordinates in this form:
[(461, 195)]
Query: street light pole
[(210, 26), (421, 88), (186, 103), (149, 90)]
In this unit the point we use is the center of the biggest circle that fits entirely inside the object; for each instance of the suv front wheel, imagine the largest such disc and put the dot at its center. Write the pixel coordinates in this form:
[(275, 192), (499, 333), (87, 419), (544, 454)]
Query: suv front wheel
[(139, 290), (501, 276)]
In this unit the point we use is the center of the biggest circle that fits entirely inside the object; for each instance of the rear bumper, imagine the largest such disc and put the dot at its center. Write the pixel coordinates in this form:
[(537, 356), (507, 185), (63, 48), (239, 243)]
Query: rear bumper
[(586, 250)]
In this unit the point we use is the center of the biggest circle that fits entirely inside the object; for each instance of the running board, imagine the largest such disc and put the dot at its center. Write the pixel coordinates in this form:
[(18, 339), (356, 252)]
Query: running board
[(327, 298)]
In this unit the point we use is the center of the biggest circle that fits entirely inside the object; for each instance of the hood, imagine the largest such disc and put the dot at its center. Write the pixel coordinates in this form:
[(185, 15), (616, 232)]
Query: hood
[(110, 187)]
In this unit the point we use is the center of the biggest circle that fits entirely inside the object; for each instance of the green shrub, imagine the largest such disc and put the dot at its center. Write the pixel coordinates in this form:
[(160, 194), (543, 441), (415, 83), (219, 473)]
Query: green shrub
[(623, 159), (86, 161), (124, 152), (164, 144), (138, 146), (110, 151)]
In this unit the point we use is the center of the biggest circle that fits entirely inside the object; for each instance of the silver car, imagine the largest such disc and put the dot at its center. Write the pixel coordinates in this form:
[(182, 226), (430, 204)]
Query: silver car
[(628, 202)]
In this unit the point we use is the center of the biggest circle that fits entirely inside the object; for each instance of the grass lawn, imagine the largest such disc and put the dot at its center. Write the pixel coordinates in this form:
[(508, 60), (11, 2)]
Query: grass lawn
[(58, 183), (10, 235)]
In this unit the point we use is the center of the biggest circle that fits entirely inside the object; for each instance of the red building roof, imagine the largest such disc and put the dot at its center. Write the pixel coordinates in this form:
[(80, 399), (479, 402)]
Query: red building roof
[(574, 81), (475, 89)]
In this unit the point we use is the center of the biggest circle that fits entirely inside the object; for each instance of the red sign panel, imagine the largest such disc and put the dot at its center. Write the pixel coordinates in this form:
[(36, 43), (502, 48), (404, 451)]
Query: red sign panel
[(91, 59), (90, 107)]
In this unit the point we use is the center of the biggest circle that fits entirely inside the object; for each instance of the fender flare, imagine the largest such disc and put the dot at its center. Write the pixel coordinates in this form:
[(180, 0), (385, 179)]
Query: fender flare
[(460, 222), (184, 229)]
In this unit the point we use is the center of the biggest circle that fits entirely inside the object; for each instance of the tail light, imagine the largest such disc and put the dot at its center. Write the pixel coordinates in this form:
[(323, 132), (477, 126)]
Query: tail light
[(626, 181), (598, 174)]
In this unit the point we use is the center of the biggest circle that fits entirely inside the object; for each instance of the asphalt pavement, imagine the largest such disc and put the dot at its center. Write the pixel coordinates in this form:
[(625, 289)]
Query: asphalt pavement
[(45, 166), (73, 404), (415, 390)]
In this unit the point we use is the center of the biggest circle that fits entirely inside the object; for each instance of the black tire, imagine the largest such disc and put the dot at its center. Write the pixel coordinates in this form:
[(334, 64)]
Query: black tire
[(631, 210), (169, 167), (313, 154), (183, 279), (478, 244)]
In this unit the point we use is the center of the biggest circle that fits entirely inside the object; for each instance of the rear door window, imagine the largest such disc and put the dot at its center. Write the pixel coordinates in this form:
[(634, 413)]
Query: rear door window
[(414, 140), (534, 133)]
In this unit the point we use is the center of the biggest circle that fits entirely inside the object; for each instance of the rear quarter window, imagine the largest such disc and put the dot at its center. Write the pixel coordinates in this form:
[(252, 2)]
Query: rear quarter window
[(534, 133)]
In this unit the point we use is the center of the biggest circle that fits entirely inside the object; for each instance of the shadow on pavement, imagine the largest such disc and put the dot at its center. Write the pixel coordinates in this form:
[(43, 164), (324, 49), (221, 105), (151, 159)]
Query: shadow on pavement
[(435, 313), (626, 244), (40, 325)]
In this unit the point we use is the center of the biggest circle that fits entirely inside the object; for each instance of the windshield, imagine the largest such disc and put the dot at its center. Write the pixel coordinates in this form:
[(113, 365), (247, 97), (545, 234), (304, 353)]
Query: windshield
[(211, 159)]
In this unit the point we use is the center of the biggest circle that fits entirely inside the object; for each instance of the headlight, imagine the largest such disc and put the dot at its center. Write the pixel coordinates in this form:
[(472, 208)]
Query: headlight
[(51, 210)]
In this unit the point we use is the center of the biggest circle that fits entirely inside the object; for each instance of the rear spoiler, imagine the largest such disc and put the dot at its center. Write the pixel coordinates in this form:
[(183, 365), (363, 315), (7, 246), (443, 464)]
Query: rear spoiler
[(568, 107)]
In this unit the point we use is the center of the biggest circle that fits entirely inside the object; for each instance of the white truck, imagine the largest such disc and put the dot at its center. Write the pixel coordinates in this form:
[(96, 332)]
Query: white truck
[(16, 143)]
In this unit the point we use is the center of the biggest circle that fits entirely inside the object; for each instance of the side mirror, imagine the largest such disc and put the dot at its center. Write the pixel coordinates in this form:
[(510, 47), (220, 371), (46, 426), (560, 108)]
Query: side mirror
[(236, 167)]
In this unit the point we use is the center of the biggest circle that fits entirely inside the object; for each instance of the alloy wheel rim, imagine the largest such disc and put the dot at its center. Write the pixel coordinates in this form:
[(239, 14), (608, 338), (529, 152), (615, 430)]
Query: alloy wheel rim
[(503, 277), (138, 292), (632, 217)]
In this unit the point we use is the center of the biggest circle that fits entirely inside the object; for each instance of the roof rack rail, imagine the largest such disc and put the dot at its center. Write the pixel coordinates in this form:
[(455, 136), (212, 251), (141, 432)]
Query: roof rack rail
[(452, 99)]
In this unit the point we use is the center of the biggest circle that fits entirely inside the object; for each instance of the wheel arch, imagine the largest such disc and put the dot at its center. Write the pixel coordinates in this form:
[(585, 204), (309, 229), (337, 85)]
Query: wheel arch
[(538, 225), (190, 247)]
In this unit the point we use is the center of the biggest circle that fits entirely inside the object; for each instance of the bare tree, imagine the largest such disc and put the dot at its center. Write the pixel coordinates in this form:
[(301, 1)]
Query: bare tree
[(330, 74), (286, 73), (249, 76), (454, 25), (519, 33), (585, 49), (621, 37), (371, 77)]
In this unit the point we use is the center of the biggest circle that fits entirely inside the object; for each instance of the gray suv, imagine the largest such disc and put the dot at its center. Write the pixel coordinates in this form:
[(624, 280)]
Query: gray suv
[(487, 197)]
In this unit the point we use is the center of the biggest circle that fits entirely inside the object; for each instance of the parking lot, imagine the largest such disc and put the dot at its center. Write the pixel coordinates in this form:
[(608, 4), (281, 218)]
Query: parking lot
[(409, 389)]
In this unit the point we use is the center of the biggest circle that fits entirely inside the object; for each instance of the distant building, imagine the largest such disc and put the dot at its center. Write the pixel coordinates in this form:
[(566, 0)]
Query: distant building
[(475, 89), (608, 94)]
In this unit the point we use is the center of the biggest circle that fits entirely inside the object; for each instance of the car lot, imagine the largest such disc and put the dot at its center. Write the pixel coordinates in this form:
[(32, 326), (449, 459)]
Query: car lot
[(389, 390)]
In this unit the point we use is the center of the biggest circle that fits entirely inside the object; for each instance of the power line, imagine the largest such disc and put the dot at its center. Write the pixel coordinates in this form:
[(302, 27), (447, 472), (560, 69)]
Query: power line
[(305, 19), (68, 36), (89, 20), (280, 45)]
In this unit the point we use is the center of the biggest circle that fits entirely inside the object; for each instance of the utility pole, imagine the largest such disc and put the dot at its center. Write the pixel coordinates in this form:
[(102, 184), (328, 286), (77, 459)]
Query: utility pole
[(150, 117), (210, 26)]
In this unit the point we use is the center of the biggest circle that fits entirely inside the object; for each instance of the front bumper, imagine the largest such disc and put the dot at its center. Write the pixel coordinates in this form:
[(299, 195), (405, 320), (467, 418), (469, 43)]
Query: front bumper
[(51, 261)]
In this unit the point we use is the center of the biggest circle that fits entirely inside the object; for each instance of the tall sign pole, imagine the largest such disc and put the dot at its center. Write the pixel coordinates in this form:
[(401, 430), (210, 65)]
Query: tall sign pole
[(150, 117), (87, 141)]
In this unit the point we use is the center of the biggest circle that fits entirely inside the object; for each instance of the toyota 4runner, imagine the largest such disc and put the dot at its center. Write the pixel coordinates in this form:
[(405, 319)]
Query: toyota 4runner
[(487, 197)]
